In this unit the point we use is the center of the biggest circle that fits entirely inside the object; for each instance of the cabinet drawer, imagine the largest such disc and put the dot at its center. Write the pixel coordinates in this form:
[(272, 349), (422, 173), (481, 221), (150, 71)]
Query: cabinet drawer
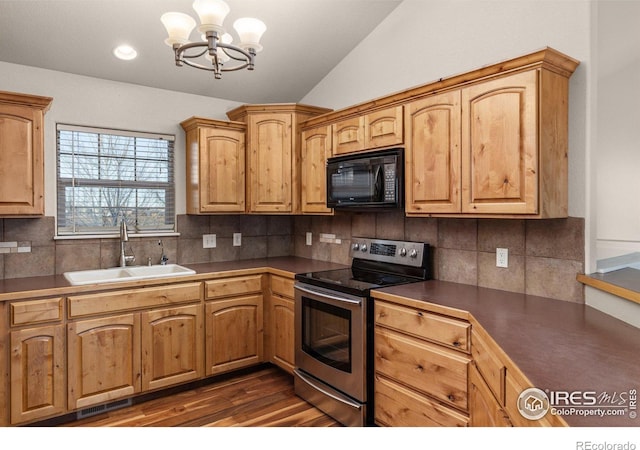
[(348, 135), (384, 127), (426, 367), (111, 301), (226, 287), (36, 311), (489, 365), (397, 406), (282, 286), (442, 330)]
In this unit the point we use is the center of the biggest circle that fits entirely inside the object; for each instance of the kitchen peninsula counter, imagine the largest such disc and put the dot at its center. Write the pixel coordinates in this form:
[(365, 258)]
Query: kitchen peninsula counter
[(558, 345)]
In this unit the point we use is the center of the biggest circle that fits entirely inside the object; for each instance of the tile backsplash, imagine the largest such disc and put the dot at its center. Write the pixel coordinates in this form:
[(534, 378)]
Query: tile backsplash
[(544, 255)]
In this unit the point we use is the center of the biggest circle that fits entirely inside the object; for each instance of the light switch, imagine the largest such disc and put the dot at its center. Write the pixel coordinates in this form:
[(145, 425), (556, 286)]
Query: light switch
[(237, 239)]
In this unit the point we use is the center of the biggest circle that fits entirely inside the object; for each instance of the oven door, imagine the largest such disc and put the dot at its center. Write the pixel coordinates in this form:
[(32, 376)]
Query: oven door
[(330, 334)]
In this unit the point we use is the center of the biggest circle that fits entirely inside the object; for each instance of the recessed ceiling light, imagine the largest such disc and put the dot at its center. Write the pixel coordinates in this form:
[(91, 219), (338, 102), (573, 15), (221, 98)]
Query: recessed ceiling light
[(125, 52)]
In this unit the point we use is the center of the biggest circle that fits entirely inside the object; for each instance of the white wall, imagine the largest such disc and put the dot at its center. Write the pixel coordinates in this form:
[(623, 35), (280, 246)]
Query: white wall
[(613, 220), (422, 41), (88, 101), (617, 150)]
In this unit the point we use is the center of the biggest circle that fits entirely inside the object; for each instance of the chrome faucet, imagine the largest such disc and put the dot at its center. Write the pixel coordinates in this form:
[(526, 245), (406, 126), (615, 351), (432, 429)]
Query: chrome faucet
[(163, 257), (124, 237)]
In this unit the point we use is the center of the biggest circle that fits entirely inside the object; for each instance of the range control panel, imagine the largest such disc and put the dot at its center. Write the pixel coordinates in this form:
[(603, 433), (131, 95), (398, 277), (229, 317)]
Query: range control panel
[(407, 253)]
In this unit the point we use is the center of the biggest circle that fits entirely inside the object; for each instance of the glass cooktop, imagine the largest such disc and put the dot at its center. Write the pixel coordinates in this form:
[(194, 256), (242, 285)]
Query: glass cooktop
[(353, 281)]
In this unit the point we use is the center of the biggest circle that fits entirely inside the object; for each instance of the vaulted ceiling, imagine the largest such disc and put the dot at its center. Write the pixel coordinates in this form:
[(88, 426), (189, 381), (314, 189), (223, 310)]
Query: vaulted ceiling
[(304, 40)]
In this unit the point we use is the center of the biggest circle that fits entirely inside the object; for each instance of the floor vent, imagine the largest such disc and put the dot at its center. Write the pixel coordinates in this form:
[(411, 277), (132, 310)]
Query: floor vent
[(99, 409)]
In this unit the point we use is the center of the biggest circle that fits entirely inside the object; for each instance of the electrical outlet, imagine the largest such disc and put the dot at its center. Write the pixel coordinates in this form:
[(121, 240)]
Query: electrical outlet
[(237, 239), (502, 257), (208, 241), (309, 238)]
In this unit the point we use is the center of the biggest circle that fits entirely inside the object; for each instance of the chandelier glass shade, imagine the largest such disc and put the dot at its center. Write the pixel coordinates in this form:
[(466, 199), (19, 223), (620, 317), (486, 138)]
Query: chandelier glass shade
[(215, 51)]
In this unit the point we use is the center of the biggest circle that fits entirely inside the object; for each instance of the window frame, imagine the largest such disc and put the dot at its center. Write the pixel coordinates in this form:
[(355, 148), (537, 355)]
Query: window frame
[(73, 231)]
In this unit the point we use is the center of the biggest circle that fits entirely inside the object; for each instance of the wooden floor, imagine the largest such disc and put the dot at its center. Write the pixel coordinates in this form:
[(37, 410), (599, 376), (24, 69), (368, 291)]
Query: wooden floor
[(263, 398)]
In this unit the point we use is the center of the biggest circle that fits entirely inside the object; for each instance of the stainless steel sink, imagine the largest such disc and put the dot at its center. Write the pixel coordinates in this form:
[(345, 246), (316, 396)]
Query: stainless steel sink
[(81, 277)]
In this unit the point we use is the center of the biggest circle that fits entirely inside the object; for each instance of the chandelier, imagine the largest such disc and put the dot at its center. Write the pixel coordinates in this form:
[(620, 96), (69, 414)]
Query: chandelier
[(216, 44)]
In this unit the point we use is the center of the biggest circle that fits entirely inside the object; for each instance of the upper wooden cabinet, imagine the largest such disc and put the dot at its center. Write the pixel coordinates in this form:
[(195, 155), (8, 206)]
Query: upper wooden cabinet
[(432, 154), (22, 154), (274, 155), (492, 142), (375, 129), (494, 148), (503, 164), (316, 148), (215, 166)]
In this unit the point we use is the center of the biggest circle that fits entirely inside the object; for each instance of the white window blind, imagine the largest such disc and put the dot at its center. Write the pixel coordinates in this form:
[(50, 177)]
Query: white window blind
[(105, 175)]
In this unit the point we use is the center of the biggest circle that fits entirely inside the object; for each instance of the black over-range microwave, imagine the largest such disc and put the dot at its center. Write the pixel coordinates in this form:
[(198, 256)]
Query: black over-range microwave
[(369, 180)]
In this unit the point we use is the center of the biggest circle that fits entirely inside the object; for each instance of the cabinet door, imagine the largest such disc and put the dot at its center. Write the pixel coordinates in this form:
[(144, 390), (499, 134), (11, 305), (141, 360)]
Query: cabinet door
[(21, 160), (222, 170), (104, 359), (172, 342), (348, 135), (484, 409), (271, 163), (37, 373), (316, 148), (282, 332), (234, 333), (383, 128), (432, 155), (500, 145)]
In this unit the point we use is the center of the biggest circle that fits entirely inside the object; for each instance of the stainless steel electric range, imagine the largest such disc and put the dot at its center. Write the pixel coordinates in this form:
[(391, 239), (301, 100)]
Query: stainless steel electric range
[(334, 325)]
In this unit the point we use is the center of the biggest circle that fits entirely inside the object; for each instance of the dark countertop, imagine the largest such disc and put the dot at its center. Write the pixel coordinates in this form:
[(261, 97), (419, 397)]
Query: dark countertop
[(558, 345), (29, 287)]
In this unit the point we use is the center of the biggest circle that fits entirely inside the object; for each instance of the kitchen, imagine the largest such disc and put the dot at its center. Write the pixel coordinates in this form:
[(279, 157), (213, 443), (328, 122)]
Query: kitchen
[(554, 252)]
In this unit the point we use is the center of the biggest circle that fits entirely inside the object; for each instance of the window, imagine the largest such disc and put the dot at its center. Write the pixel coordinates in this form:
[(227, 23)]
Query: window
[(106, 175)]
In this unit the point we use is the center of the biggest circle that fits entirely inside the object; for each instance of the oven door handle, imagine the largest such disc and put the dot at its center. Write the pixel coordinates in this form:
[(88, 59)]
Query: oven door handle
[(324, 294), (327, 393)]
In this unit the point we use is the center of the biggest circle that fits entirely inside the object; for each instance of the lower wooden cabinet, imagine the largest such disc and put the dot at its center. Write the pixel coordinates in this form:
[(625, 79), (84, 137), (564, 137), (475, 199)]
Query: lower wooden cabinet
[(281, 325), (234, 333), (484, 409), (421, 367), (37, 373), (172, 346), (103, 359)]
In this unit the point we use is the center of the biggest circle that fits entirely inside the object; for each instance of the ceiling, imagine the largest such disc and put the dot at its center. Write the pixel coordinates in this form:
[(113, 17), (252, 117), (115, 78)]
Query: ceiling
[(304, 40)]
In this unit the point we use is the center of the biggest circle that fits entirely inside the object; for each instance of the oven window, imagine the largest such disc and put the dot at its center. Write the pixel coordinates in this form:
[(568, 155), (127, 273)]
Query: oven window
[(326, 333)]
